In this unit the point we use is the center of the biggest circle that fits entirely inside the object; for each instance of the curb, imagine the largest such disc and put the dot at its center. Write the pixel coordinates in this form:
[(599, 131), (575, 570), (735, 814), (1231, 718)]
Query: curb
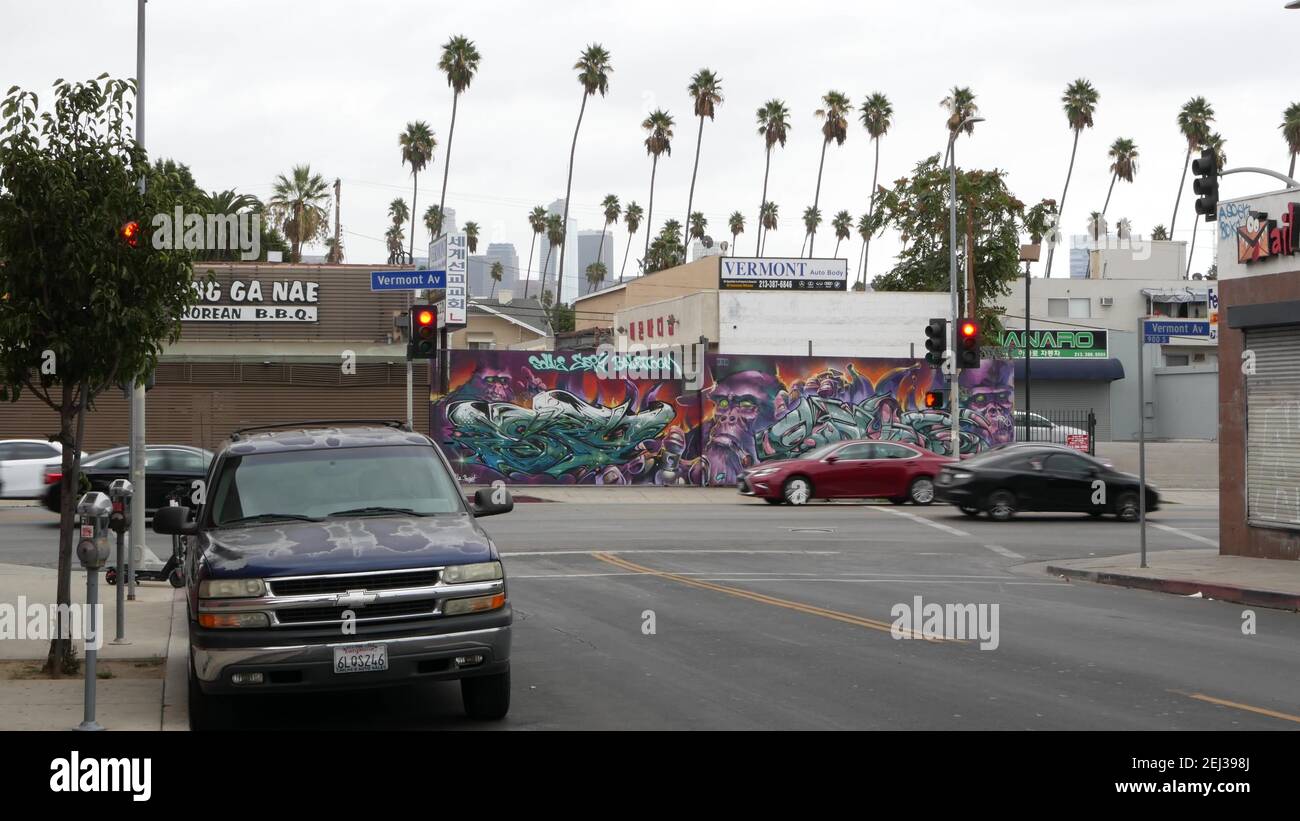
[(1184, 587), (175, 695)]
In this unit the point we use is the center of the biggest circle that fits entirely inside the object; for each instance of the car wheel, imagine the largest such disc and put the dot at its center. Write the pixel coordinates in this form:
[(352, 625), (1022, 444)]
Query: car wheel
[(772, 501), (1126, 507), (972, 512), (110, 576), (922, 490), (1002, 505), (797, 491), (486, 698), (176, 578), (207, 712)]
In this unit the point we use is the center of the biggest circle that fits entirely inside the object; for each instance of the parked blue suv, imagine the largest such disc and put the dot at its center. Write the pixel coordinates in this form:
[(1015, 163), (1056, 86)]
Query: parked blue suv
[(332, 556)]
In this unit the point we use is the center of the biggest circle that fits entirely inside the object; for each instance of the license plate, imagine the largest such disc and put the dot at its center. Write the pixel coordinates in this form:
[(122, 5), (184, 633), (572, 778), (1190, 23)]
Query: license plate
[(361, 658)]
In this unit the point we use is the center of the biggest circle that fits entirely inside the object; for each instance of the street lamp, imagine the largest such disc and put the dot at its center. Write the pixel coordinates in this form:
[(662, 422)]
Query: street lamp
[(970, 119)]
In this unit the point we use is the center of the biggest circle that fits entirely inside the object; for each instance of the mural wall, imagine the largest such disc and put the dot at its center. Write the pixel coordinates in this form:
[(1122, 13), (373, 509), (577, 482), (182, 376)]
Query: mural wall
[(548, 418)]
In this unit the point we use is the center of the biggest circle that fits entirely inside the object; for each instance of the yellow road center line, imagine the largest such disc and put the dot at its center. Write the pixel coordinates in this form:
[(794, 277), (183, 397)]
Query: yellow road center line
[(800, 607), (1239, 706)]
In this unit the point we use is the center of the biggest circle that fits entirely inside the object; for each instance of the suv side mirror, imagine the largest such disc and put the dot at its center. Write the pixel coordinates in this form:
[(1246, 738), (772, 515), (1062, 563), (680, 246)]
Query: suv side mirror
[(491, 501), (174, 521)]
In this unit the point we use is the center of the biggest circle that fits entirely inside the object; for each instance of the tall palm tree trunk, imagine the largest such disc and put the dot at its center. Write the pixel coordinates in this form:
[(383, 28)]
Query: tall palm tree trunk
[(871, 210), (1192, 250), (600, 249), (812, 235), (767, 168), (528, 272), (568, 190), (541, 293), (446, 166), (650, 211), (626, 251), (1291, 173), (836, 252), (1174, 219), (1113, 177), (1051, 249), (415, 190), (690, 198)]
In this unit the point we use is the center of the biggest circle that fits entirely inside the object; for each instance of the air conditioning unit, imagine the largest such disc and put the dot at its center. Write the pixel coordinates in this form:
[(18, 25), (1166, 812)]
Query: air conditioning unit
[(1107, 301)]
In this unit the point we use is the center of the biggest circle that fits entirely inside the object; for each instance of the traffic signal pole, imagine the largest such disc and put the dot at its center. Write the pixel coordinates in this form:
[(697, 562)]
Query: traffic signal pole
[(954, 401), (137, 424)]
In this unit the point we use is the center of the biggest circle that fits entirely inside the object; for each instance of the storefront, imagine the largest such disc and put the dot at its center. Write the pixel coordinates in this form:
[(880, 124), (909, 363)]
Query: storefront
[(1259, 383), (264, 343)]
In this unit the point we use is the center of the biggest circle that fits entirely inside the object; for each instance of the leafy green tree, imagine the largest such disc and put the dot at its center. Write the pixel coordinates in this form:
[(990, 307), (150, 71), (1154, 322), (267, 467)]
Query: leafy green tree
[(593, 75), (705, 89), (471, 236), (300, 206), (82, 309), (835, 126), (774, 128), (596, 273), (917, 207), (417, 143), (667, 250), (433, 221), (699, 225), (632, 219)]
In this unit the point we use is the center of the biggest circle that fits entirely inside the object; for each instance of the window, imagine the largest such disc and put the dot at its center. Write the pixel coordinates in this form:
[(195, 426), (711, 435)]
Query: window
[(482, 346), (117, 461), (186, 460), (1066, 464), (34, 450), (1176, 360), (859, 451), (887, 450), (1070, 308)]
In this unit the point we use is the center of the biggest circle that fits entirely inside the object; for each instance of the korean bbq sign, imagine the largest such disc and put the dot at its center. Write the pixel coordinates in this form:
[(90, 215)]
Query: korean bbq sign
[(769, 273), (254, 301)]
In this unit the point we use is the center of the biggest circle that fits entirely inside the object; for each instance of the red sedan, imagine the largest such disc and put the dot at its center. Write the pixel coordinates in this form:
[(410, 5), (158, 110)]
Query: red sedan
[(852, 469)]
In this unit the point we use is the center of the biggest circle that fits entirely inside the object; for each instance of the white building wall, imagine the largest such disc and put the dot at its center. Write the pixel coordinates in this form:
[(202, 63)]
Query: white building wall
[(693, 316)]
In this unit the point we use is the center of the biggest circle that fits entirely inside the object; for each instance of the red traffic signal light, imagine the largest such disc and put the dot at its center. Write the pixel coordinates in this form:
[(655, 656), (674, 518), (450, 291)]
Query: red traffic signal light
[(969, 329), (933, 399), (422, 341), (130, 233), (968, 344), (424, 317)]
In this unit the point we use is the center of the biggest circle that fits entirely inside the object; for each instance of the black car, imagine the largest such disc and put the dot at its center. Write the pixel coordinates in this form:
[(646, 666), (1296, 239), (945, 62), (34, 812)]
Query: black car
[(1045, 478), (331, 557), (167, 468)]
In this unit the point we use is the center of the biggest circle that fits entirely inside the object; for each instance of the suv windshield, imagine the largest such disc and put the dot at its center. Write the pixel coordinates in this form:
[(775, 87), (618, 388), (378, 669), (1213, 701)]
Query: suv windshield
[(314, 484)]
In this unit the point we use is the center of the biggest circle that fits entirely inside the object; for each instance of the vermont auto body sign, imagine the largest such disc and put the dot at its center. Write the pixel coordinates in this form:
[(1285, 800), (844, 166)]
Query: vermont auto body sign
[(253, 301), (772, 274)]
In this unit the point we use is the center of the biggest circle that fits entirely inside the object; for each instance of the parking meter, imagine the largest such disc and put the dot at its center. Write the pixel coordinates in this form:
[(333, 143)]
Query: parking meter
[(119, 493), (93, 512)]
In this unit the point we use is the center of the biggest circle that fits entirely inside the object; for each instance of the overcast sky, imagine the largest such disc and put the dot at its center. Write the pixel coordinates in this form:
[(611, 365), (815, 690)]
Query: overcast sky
[(242, 90)]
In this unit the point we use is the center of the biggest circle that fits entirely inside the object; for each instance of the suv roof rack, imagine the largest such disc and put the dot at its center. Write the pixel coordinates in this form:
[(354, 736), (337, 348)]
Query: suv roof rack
[(312, 423)]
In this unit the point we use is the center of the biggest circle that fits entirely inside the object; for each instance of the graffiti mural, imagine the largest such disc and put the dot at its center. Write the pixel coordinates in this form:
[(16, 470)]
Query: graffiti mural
[(758, 408), (548, 418)]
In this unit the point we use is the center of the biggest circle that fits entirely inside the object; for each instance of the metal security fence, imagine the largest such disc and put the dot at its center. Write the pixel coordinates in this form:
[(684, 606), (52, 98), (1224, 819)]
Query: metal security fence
[(1075, 428)]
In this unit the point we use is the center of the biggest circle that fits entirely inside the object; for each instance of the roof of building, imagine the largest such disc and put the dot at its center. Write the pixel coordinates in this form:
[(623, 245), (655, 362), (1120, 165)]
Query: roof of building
[(527, 313)]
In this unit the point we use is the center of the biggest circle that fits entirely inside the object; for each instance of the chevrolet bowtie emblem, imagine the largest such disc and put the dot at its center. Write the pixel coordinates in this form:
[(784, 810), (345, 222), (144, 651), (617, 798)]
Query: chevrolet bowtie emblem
[(355, 598)]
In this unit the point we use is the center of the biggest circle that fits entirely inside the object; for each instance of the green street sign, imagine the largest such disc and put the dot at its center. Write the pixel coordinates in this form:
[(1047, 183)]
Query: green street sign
[(1056, 344)]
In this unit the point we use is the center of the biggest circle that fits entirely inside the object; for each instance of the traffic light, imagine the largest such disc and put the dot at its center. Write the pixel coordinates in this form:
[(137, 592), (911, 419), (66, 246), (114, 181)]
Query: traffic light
[(936, 342), (1206, 184), (968, 344), (933, 400), (130, 233), (422, 342)]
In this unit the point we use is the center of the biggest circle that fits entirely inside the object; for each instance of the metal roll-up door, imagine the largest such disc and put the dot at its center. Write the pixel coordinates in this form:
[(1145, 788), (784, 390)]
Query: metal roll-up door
[(1273, 427)]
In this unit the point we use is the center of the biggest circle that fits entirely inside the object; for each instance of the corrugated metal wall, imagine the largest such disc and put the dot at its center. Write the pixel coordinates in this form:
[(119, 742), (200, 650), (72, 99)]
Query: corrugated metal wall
[(1068, 395), (200, 404)]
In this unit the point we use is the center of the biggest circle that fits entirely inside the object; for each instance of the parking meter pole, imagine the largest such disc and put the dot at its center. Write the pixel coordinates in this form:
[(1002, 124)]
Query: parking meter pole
[(92, 655), (93, 512), (1142, 442), (120, 494), (120, 638)]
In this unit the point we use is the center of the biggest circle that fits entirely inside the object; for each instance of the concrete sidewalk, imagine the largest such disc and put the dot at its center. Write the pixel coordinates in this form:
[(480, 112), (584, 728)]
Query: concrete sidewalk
[(1254, 582), (155, 628)]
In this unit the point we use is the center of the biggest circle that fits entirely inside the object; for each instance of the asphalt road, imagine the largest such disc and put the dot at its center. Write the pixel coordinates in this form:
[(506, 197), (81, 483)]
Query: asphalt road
[(773, 617)]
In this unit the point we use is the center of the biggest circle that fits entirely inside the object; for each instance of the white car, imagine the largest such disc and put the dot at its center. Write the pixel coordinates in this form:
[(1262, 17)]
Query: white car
[(1042, 429), (22, 466)]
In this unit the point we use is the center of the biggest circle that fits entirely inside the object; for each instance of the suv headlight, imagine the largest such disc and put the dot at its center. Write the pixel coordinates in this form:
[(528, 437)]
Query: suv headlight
[(232, 588), (463, 573)]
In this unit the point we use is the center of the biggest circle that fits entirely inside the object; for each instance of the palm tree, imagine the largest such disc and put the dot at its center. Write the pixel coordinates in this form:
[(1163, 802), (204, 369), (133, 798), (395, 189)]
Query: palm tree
[(1291, 133), (811, 219), (632, 219), (835, 126), (537, 222), (1159, 234), (659, 140), (497, 271), (1079, 102), (459, 61), (228, 202), (300, 206), (1214, 142), (1194, 120), (554, 238), (433, 221), (1123, 154), (333, 250), (961, 107), (864, 231), (736, 222), (593, 74), (697, 227), (595, 275), (773, 127), (398, 213), (417, 144), (768, 221), (843, 225), (471, 236), (706, 95), (612, 210), (877, 115), (1096, 225)]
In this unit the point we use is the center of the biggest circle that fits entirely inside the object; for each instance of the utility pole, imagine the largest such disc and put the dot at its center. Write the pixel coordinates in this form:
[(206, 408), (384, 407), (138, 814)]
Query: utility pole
[(970, 258), (338, 205), (137, 421)]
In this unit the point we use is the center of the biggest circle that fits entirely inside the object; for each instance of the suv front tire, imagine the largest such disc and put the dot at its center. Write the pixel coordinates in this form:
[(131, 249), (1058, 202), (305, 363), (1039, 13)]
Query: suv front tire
[(486, 698)]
